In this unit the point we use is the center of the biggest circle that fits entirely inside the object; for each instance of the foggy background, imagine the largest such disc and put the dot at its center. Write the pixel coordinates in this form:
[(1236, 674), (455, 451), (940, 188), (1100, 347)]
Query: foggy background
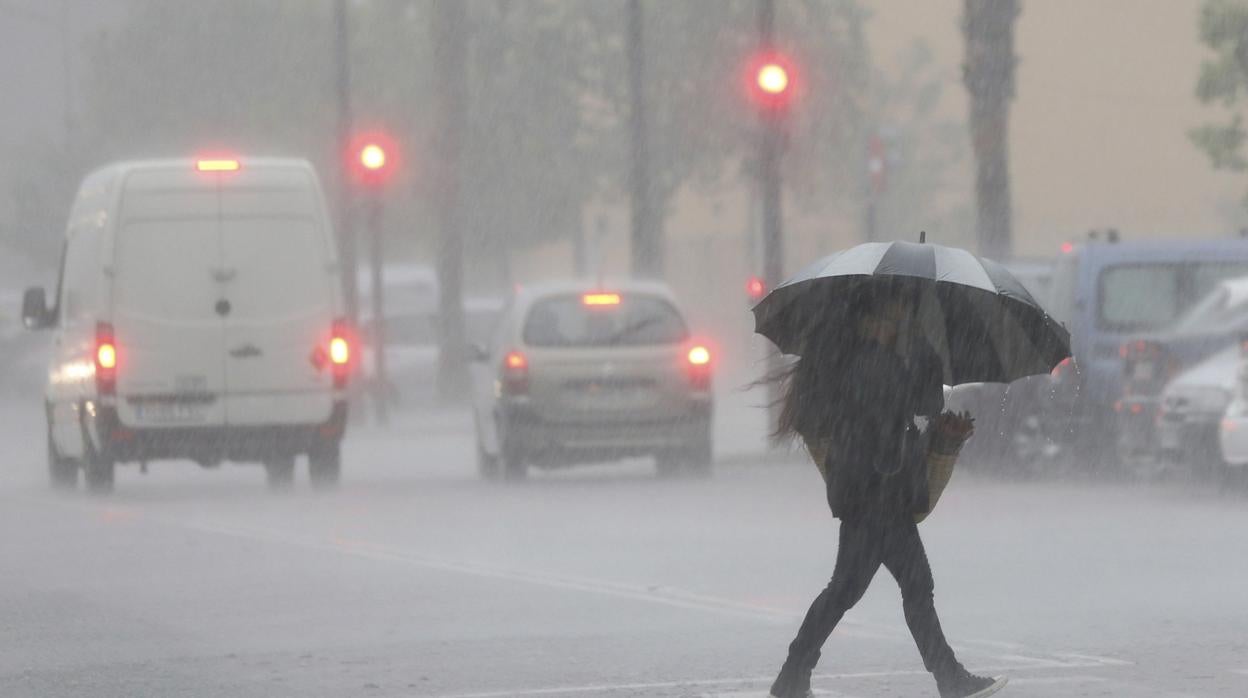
[(416, 578)]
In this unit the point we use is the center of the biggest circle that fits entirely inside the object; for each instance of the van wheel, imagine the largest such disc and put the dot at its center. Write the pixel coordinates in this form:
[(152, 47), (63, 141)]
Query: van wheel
[(325, 466), (487, 465), (514, 467), (280, 473), (62, 472), (98, 472)]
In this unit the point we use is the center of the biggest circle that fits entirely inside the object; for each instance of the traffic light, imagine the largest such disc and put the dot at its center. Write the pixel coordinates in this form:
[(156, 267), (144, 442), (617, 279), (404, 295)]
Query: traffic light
[(371, 159), (755, 288), (772, 81)]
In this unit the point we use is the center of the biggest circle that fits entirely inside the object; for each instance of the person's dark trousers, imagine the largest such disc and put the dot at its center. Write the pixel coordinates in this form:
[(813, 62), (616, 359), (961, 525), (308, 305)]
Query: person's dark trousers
[(865, 544)]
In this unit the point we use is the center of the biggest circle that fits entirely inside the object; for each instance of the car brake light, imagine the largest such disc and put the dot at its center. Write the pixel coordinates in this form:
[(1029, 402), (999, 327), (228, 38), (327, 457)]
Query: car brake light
[(105, 359), (1060, 369), (339, 351), (515, 373), (699, 356), (601, 299), (217, 165)]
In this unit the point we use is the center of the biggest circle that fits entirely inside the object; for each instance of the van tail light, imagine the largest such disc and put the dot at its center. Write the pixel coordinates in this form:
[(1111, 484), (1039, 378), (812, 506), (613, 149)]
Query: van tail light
[(105, 359), (698, 361), (515, 373), (340, 352)]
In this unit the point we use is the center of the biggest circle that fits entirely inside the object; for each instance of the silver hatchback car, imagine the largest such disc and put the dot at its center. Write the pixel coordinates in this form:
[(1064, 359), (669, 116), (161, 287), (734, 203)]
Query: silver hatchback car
[(578, 373)]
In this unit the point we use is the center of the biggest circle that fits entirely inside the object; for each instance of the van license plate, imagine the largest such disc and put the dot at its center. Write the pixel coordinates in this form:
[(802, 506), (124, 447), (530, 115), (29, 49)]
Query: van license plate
[(167, 412)]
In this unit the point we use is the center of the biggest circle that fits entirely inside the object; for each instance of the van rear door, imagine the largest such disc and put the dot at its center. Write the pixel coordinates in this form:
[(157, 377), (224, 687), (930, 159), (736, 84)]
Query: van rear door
[(168, 332), (281, 287)]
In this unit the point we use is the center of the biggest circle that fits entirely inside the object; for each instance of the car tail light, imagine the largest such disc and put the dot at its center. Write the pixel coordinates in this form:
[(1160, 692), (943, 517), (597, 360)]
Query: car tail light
[(699, 366), (515, 373), (105, 359), (340, 352), (1063, 368)]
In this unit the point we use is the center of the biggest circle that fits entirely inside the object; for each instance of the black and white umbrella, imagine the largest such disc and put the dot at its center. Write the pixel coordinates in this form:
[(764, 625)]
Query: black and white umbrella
[(979, 318)]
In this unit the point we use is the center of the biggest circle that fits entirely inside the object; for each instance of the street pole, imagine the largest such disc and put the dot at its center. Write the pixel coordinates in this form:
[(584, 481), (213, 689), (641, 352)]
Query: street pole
[(770, 147), (450, 54), (381, 389), (346, 204), (647, 249)]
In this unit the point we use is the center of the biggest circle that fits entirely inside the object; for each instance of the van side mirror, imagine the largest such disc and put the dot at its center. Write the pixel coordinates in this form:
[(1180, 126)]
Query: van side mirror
[(478, 353), (35, 313)]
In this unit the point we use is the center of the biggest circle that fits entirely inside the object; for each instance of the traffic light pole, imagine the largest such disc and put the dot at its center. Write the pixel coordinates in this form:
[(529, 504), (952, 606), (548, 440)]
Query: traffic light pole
[(771, 144), (346, 232), (381, 376)]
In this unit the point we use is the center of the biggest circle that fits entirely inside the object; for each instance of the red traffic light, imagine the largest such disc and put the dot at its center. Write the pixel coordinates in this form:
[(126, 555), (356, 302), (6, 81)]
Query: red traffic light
[(371, 158), (755, 288), (772, 79)]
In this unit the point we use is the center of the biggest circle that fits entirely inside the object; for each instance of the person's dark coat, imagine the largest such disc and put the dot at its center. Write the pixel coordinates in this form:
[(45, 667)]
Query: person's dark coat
[(874, 458)]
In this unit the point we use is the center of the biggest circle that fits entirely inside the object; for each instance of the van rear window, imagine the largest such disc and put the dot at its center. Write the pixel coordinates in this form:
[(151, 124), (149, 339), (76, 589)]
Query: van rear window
[(1146, 297), (637, 320)]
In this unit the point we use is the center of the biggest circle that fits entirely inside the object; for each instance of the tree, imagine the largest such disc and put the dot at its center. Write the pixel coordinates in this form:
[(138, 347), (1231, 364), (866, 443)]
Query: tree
[(920, 149), (988, 73), (1223, 81)]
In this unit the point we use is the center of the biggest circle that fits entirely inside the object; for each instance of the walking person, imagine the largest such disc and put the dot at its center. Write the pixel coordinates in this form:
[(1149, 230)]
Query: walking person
[(879, 329), (853, 401)]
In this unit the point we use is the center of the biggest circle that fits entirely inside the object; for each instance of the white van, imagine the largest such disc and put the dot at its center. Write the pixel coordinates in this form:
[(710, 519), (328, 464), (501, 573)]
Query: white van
[(198, 315)]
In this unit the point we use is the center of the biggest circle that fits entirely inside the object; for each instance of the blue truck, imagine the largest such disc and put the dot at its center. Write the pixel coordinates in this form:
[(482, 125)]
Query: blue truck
[(1107, 292)]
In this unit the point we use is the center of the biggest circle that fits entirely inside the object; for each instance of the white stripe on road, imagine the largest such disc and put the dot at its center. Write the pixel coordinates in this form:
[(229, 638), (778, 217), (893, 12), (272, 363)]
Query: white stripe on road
[(741, 682), (654, 594)]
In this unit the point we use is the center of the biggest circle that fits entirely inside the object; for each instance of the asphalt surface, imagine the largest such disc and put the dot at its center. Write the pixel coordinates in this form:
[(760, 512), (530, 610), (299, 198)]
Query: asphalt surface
[(415, 578)]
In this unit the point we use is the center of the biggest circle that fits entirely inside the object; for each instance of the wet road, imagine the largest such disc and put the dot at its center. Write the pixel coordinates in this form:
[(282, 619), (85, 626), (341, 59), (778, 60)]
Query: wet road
[(416, 579)]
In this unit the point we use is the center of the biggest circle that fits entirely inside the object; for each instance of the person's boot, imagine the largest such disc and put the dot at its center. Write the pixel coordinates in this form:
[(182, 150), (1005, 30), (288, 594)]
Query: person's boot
[(793, 681), (963, 684)]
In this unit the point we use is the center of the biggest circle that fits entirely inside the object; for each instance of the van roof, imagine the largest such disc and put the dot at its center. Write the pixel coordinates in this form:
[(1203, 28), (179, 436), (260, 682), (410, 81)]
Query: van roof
[(1163, 250), (120, 170)]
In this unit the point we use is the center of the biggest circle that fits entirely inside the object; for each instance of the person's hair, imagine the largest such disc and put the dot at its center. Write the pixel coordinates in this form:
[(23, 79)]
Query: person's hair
[(806, 384)]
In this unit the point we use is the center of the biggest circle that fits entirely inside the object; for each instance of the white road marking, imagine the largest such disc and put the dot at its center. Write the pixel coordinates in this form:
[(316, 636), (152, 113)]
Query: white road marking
[(742, 681), (655, 594)]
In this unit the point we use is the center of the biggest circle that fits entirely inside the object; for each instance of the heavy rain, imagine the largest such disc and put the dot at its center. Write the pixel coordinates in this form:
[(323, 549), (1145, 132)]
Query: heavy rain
[(488, 348)]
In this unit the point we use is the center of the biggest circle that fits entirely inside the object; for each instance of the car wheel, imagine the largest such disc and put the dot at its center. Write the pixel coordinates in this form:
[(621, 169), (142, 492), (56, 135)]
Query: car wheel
[(62, 472), (512, 460), (325, 465), (696, 461), (280, 473), (702, 459), (514, 467), (99, 472)]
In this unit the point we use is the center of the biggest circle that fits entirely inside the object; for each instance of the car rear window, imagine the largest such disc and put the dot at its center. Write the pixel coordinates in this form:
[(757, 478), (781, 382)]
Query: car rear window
[(636, 320)]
